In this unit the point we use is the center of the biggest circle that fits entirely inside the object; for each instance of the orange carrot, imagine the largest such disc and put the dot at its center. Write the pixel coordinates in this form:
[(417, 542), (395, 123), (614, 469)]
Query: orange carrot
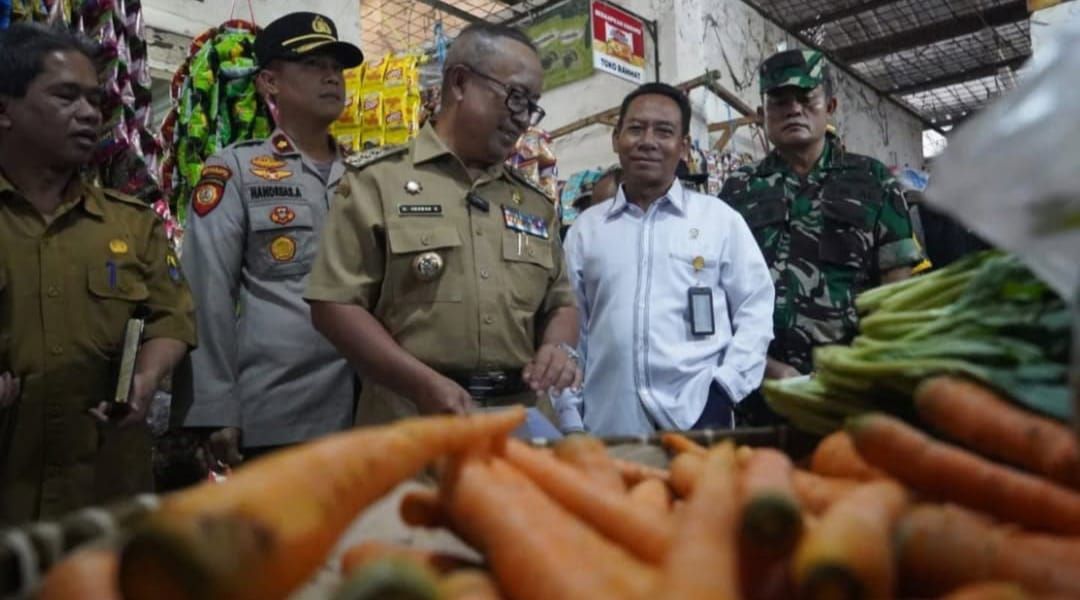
[(849, 554), (360, 555), (982, 420), (536, 549), (469, 584), (817, 493), (634, 473), (589, 455), (653, 494), (678, 443), (943, 547), (836, 456), (940, 470), (271, 526), (87, 574), (989, 590), (641, 531), (686, 469), (703, 563), (421, 508), (770, 515)]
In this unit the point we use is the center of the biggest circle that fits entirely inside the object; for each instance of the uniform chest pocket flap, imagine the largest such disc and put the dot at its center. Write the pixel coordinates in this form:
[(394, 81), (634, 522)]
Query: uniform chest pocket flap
[(424, 264), (117, 281), (764, 208), (282, 243), (527, 249), (846, 237)]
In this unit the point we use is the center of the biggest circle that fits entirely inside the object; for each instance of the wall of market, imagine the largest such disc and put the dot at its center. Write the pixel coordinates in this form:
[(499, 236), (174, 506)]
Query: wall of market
[(729, 36)]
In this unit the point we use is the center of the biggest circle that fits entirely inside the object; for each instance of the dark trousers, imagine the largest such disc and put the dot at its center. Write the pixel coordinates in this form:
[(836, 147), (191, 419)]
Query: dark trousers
[(719, 410)]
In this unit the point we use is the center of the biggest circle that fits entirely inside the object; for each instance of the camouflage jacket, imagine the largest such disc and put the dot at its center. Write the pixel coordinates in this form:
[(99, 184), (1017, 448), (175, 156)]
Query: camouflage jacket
[(826, 238)]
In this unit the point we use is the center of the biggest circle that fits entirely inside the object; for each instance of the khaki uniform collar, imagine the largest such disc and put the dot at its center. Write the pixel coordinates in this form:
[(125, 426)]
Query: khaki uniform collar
[(92, 197), (428, 146)]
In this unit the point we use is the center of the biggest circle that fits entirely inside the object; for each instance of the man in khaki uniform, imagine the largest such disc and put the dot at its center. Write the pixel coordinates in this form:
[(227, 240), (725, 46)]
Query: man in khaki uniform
[(440, 273), (75, 263)]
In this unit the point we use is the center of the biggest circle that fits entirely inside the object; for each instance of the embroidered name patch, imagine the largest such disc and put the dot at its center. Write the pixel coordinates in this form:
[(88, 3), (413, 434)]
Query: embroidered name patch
[(420, 210)]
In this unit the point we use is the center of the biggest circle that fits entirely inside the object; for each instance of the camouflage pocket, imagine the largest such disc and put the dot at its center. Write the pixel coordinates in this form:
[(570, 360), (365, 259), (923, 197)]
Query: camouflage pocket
[(846, 239)]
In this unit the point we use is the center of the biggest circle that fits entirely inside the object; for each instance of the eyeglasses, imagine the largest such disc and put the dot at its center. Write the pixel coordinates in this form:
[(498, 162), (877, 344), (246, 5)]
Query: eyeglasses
[(517, 101)]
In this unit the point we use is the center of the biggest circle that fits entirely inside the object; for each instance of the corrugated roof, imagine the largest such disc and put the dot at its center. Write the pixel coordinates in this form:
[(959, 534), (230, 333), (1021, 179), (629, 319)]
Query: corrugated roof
[(943, 58)]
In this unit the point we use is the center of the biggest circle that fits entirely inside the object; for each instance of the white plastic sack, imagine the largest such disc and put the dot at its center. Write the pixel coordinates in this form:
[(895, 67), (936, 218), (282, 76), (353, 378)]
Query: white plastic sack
[(1012, 174)]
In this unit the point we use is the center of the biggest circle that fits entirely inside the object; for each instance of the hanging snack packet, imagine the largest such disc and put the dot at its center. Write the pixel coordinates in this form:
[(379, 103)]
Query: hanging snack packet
[(371, 120), (394, 109)]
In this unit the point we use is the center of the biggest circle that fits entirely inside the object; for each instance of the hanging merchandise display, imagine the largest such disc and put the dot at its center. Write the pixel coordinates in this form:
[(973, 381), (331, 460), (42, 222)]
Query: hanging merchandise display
[(534, 157), (215, 104), (383, 103)]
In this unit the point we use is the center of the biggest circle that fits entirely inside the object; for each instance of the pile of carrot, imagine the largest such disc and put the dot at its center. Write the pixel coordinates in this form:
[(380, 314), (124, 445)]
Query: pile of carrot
[(985, 506)]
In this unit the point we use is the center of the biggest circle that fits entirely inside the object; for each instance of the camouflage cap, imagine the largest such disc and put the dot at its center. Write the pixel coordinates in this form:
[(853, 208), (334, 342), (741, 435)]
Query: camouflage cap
[(801, 68)]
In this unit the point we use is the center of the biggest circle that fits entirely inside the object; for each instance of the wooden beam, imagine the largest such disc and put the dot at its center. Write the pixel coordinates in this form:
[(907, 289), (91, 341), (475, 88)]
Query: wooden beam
[(959, 77), (732, 124), (843, 13), (946, 30)]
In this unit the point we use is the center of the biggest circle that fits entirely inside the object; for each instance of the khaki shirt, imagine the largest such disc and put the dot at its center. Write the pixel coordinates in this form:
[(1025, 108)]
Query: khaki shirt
[(486, 308), (250, 240), (67, 288)]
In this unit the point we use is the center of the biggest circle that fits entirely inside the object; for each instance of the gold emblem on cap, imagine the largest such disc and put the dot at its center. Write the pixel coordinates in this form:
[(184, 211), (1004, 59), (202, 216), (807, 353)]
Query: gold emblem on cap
[(118, 246), (516, 197), (319, 25), (413, 187), (699, 263), (428, 266)]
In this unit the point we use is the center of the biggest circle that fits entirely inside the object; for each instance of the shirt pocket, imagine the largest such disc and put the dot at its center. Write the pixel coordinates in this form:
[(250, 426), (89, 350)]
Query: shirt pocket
[(434, 244), (694, 263), (527, 265), (115, 289), (846, 237), (766, 214), (282, 243)]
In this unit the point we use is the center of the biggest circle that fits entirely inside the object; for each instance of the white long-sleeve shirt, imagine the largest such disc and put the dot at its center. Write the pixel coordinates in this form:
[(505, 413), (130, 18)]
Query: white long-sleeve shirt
[(631, 271)]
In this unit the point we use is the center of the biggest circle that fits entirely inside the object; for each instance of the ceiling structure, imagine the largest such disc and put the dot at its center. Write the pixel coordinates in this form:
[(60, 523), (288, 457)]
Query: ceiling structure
[(945, 59), (397, 25)]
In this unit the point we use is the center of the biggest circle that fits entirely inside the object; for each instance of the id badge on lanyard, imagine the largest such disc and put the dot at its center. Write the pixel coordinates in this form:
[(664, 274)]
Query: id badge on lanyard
[(702, 319)]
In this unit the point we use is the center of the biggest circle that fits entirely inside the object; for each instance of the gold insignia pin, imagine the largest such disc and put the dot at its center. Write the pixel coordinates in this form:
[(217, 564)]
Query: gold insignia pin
[(413, 187), (319, 25), (699, 263), (516, 197), (283, 248), (118, 246), (428, 266), (694, 233)]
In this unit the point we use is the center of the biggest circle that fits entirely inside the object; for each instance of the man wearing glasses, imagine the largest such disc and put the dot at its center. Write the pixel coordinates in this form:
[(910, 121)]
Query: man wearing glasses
[(440, 275), (830, 223)]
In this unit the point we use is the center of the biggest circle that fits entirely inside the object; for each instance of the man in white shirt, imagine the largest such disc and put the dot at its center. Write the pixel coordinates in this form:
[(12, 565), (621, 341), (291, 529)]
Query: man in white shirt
[(674, 295)]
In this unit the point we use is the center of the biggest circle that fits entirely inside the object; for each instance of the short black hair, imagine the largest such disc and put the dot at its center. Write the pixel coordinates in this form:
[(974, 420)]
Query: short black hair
[(23, 48), (659, 89)]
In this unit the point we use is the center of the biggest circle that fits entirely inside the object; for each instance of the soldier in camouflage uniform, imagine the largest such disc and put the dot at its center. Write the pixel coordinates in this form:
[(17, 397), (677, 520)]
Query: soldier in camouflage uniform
[(830, 223)]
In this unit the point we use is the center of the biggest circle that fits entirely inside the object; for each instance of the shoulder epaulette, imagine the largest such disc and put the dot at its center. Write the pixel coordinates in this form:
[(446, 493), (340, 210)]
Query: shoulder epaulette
[(522, 178), (126, 199), (246, 143), (367, 157)]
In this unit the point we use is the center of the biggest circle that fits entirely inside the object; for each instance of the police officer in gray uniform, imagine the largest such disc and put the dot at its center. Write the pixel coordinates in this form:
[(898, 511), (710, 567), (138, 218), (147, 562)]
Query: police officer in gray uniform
[(263, 377)]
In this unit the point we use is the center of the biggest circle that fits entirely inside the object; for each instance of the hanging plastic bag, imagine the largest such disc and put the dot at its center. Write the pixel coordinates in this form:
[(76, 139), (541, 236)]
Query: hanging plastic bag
[(1010, 174)]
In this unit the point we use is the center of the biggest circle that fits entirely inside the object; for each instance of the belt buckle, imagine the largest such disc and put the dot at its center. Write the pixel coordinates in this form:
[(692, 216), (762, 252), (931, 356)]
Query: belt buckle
[(484, 385)]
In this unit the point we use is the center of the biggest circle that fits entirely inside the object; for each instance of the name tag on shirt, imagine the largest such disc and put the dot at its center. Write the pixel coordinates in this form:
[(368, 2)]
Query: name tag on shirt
[(525, 223), (701, 311)]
